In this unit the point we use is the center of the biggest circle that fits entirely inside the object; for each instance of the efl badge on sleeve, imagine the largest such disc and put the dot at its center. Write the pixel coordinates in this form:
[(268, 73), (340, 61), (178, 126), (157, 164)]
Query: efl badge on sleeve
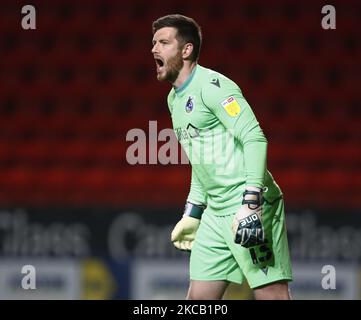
[(189, 104), (231, 106)]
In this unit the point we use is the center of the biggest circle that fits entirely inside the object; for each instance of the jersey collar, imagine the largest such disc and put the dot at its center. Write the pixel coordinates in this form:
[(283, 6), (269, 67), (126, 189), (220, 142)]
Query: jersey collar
[(187, 82)]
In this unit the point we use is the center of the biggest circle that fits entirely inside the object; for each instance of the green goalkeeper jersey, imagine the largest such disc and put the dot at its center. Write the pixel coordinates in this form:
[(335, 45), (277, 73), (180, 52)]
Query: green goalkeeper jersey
[(222, 139)]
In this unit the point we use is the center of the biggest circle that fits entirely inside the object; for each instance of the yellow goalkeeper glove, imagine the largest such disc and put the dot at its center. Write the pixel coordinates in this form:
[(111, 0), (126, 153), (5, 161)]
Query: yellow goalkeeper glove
[(185, 230)]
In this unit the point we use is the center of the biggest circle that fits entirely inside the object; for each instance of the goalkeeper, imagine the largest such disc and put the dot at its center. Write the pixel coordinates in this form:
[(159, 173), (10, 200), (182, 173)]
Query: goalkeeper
[(233, 221)]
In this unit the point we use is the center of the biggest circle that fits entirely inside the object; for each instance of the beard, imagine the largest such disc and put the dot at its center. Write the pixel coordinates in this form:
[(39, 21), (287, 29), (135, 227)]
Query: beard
[(173, 67)]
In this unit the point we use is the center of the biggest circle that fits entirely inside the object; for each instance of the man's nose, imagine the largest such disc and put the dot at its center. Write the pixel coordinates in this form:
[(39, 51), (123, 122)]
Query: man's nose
[(154, 49)]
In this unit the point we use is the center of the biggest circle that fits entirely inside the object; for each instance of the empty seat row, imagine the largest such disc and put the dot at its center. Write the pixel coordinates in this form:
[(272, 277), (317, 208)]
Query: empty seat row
[(99, 185)]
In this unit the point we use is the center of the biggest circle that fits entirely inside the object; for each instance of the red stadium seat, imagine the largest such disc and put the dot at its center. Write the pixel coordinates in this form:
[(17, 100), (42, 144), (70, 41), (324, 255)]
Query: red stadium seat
[(72, 90)]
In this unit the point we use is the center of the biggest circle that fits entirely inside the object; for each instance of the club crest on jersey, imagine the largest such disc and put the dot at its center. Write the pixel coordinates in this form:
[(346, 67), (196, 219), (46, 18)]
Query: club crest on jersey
[(189, 104), (231, 106)]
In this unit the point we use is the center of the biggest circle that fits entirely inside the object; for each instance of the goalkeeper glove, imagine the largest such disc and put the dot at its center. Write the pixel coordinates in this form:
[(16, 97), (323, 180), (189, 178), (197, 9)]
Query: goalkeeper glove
[(247, 225), (185, 230)]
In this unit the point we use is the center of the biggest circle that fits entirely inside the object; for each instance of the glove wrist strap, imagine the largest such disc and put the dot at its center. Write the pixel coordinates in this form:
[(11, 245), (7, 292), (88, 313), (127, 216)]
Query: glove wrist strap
[(193, 210), (254, 201)]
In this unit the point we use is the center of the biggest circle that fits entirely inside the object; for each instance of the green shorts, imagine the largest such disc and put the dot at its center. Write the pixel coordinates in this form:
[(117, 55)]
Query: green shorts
[(215, 256)]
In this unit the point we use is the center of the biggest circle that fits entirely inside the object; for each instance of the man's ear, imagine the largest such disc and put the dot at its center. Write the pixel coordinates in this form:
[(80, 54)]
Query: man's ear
[(187, 51)]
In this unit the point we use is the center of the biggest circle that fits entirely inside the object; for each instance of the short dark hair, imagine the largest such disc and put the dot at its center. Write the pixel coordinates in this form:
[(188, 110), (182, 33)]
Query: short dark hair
[(188, 31)]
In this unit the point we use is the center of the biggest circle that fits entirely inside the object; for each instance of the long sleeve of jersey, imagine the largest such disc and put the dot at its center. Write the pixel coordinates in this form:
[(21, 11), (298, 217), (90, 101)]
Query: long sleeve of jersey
[(227, 103), (196, 194)]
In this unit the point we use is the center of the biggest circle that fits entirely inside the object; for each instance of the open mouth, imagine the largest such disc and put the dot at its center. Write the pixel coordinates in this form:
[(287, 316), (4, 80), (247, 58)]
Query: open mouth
[(159, 62)]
